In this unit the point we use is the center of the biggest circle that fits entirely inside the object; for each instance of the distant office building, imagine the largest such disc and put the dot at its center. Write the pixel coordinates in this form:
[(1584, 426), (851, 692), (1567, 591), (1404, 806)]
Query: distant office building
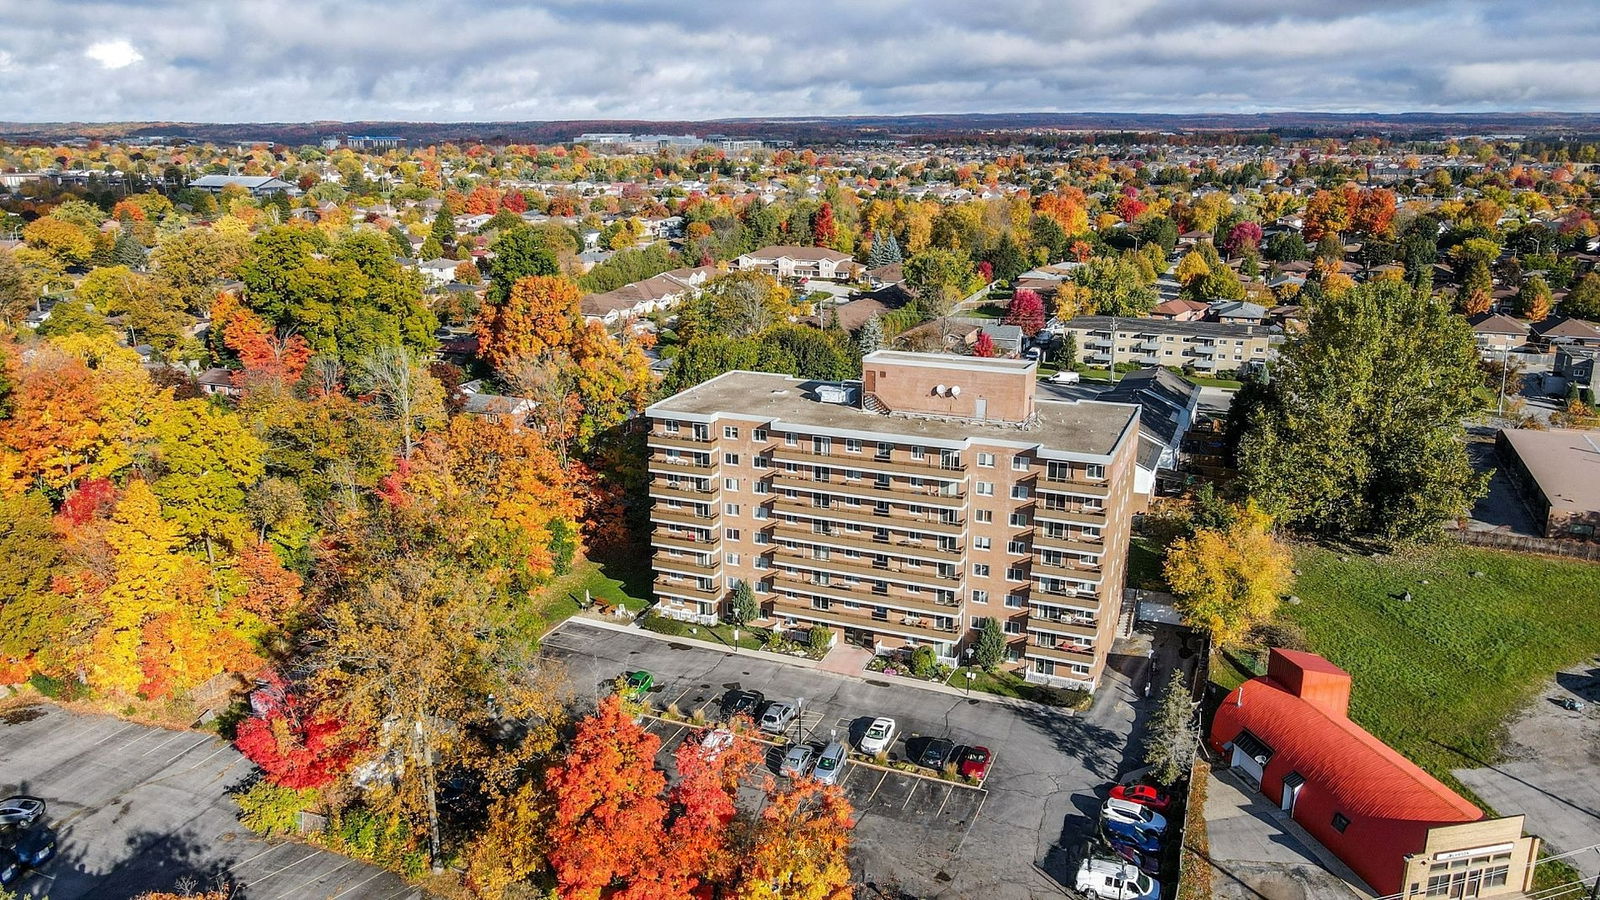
[(902, 510), (374, 142), (257, 185)]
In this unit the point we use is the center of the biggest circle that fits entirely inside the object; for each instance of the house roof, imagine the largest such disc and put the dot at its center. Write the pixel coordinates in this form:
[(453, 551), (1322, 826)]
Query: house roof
[(792, 252), (1568, 327), (1180, 306), (1162, 397), (1496, 323), (1564, 462), (1239, 309), (252, 182), (1365, 775)]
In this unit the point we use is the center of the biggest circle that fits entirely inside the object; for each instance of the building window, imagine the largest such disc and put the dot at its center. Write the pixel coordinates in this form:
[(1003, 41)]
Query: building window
[(760, 537), (821, 445), (672, 427), (1496, 876), (980, 596), (759, 512), (851, 445), (730, 432), (731, 509), (981, 543), (1438, 885), (884, 450), (1016, 548), (1019, 520), (1019, 492), (986, 460), (985, 489), (730, 484), (1015, 573), (731, 459), (791, 439), (1014, 601), (1019, 463), (732, 559), (918, 454), (760, 487), (759, 435), (980, 570), (1094, 470), (731, 534), (985, 515), (1340, 823)]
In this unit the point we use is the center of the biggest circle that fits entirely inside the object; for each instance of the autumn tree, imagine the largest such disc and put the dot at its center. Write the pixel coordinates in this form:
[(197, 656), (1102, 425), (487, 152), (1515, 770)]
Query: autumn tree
[(208, 459), (1229, 579), (1582, 302), (399, 382), (983, 346), (1115, 286), (938, 278), (1026, 311), (1533, 299), (701, 847), (296, 745), (800, 847), (18, 292), (539, 315), (609, 811)]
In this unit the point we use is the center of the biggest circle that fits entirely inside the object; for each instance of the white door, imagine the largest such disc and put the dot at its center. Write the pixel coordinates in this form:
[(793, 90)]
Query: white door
[(1247, 764), (1291, 792), (981, 408)]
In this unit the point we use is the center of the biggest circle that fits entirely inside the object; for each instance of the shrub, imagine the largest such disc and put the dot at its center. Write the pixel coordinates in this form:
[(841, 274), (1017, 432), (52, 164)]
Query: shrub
[(268, 809), (819, 638), (379, 838), (58, 688), (924, 662)]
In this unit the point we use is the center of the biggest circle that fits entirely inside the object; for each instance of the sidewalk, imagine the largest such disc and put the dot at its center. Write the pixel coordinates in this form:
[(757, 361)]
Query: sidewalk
[(801, 662)]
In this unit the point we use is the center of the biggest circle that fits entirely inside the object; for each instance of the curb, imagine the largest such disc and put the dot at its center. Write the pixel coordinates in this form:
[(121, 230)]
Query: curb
[(815, 666)]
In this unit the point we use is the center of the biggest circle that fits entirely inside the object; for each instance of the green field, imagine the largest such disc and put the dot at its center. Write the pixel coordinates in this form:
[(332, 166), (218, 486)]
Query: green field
[(1438, 676), (608, 584)]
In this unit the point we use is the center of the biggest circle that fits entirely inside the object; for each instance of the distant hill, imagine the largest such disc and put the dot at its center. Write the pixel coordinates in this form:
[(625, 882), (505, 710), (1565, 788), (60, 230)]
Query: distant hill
[(828, 129)]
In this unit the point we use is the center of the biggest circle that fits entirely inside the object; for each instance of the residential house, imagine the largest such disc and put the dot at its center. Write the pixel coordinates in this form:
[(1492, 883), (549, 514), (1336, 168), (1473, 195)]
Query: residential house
[(1497, 333), (1565, 331), (902, 510), (1237, 312), (1181, 310), (1576, 365), (217, 381), (658, 292), (798, 262), (1167, 403), (257, 185), (440, 270), (1403, 832)]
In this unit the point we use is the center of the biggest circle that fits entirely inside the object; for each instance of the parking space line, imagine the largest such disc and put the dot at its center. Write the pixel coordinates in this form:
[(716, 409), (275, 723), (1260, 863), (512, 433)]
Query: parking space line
[(299, 888), (208, 757), (175, 736), (911, 793), (972, 820), (947, 795), (881, 778), (356, 885), (185, 751), (113, 734), (287, 868)]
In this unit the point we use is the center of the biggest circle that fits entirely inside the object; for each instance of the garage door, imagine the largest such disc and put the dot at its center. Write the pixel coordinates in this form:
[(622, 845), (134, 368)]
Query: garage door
[(1250, 756)]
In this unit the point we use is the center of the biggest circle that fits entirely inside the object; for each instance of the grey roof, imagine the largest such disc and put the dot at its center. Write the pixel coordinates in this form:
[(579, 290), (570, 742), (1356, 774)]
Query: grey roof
[(1083, 426), (1564, 462), (1162, 396), (1130, 325), (252, 182)]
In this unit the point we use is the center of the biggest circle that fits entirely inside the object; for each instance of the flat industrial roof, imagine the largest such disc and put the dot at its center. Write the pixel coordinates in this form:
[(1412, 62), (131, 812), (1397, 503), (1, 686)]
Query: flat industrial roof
[(1565, 462), (1082, 426)]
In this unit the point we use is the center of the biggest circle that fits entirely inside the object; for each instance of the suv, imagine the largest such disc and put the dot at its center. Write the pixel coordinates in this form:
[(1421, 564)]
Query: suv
[(778, 717), (1102, 878), (1128, 812), (741, 703), (829, 764), (797, 762)]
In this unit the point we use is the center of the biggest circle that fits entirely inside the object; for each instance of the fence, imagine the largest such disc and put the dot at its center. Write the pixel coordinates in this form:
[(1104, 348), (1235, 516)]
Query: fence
[(1522, 543)]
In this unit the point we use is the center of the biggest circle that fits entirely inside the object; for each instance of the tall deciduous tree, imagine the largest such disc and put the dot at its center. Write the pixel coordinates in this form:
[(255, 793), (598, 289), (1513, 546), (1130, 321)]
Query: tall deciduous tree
[(1026, 311), (800, 849), (540, 315), (1228, 579), (1362, 434)]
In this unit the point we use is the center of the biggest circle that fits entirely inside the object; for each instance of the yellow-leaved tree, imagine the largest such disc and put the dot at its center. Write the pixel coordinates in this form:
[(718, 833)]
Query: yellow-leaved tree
[(1229, 579)]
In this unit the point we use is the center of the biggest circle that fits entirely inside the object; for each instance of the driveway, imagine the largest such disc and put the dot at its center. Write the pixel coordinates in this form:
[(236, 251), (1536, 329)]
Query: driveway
[(141, 809), (934, 839), (1551, 772), (1256, 853), (1501, 508)]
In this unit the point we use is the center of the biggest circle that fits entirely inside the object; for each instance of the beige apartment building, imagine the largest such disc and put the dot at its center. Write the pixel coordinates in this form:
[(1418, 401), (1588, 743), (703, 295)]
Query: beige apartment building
[(1209, 347), (901, 510)]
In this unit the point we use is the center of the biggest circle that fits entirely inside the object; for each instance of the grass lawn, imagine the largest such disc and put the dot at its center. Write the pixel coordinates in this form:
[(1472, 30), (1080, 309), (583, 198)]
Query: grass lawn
[(1208, 381), (986, 311), (1438, 676), (1007, 684), (750, 637), (610, 583), (1144, 565)]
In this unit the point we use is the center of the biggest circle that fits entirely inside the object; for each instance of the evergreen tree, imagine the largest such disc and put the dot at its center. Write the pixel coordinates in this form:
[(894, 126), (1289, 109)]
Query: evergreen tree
[(990, 650), (443, 231), (128, 251), (893, 253), (742, 608), (1007, 260), (1170, 744), (870, 337)]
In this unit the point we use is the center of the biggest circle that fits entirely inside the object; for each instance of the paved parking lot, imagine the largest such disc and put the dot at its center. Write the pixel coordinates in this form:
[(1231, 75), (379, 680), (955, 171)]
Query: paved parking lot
[(141, 809), (936, 839)]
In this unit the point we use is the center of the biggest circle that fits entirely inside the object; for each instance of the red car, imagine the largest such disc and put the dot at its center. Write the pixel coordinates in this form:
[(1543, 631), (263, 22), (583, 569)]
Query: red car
[(974, 762), (1142, 794)]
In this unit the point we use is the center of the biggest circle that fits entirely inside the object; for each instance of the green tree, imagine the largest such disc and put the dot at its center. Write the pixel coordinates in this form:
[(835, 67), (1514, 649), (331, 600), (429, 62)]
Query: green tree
[(128, 251), (18, 292), (990, 649), (1361, 432), (1583, 302), (518, 253), (1007, 260), (939, 278), (1116, 286), (443, 230), (870, 336), (742, 607), (1169, 745)]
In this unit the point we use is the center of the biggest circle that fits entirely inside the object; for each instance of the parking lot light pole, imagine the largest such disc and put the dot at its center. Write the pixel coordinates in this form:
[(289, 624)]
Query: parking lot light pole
[(971, 677)]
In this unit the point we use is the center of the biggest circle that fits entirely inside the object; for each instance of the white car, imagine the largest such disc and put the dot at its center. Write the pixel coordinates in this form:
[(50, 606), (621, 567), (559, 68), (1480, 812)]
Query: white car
[(1065, 376), (880, 734), (1130, 813), (1103, 879), (715, 741)]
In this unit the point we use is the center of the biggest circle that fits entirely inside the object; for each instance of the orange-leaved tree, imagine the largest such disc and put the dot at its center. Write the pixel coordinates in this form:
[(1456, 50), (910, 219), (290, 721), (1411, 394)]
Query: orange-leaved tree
[(801, 846), (541, 314)]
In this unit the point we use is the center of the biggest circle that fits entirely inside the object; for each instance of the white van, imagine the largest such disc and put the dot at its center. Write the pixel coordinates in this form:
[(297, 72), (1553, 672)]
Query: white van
[(1065, 376), (1102, 879)]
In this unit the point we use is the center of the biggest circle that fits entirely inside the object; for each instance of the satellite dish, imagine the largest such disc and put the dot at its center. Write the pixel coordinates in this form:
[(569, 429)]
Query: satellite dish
[(938, 389), (955, 390)]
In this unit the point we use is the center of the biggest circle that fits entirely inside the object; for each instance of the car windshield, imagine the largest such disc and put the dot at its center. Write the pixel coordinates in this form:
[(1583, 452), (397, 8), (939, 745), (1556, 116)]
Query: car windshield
[(825, 764), (1144, 883), (977, 756), (877, 731)]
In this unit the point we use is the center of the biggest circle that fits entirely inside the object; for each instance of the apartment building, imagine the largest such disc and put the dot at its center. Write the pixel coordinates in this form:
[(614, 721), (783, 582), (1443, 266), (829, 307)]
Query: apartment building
[(798, 262), (901, 510), (1207, 346)]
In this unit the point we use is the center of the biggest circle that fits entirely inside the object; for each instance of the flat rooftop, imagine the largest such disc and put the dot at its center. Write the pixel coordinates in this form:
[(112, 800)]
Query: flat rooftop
[(1082, 426), (1565, 463)]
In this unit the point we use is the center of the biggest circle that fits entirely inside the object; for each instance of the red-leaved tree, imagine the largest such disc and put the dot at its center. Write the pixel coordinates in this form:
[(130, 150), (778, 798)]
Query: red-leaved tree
[(295, 745), (1026, 311), (983, 346)]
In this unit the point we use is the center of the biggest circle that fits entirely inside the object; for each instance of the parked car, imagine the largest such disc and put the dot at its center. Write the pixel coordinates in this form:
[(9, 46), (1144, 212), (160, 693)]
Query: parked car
[(21, 811), (974, 762), (1065, 376), (637, 684), (10, 866), (1142, 794), (778, 716), (715, 741), (34, 846), (936, 753), (1102, 878), (741, 703), (1141, 839), (879, 735), (1133, 814), (830, 763), (798, 761), (1148, 863)]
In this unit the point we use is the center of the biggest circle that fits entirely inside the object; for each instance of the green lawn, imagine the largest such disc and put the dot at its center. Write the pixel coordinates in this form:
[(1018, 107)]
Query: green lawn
[(986, 311), (610, 584), (1007, 684), (1437, 677), (1144, 565)]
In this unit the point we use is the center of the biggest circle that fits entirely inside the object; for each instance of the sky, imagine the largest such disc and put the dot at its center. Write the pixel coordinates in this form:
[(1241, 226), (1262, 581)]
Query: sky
[(437, 61)]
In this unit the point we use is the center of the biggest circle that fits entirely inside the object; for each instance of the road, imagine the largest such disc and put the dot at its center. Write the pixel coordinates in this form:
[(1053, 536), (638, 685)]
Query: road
[(141, 809), (1040, 799)]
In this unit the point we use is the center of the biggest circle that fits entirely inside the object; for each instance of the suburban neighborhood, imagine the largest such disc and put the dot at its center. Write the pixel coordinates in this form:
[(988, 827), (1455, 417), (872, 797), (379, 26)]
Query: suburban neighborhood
[(842, 503)]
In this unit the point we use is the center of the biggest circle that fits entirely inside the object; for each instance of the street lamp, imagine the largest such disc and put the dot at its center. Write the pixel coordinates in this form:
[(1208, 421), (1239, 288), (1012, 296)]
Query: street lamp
[(971, 677)]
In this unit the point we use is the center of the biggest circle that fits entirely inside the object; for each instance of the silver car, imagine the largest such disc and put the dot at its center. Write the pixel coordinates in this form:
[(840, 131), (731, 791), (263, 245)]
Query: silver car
[(778, 717), (829, 764), (21, 811), (798, 761)]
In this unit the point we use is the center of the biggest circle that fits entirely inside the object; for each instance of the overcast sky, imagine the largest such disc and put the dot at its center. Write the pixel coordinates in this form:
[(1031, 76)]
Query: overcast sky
[(430, 60)]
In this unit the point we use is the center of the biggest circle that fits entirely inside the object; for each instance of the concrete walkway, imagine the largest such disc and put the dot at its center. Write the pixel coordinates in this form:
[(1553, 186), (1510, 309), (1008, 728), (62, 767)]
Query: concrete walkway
[(1259, 853), (846, 659)]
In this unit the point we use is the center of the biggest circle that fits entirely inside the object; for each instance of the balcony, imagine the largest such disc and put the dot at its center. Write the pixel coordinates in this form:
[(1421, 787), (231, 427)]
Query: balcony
[(1063, 654), (1205, 350), (1043, 541), (682, 564), (672, 541), (1069, 568), (867, 490), (1066, 626), (867, 462), (1070, 515), (685, 491), (1077, 602), (686, 590), (926, 576), (660, 464), (1071, 486), (683, 516), (680, 441), (906, 603), (898, 624), (863, 516), (896, 547)]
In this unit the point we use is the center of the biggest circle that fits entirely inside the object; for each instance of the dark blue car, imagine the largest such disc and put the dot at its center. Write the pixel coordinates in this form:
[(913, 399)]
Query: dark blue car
[(1141, 839)]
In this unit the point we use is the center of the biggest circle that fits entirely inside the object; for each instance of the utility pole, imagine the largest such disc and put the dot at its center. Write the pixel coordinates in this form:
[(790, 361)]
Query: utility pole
[(1505, 356)]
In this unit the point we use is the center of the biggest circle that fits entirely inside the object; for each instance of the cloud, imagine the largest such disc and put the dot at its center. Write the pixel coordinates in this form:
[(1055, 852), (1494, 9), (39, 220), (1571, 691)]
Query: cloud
[(113, 54), (303, 60)]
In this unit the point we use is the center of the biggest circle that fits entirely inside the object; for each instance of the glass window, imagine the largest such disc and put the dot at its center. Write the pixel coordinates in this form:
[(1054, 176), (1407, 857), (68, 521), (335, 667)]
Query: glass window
[(729, 431), (731, 509), (986, 460), (730, 484), (985, 515), (759, 435), (1019, 492), (985, 489), (981, 543), (918, 454), (732, 534), (980, 570), (1019, 463), (980, 596), (731, 459), (732, 559), (852, 445)]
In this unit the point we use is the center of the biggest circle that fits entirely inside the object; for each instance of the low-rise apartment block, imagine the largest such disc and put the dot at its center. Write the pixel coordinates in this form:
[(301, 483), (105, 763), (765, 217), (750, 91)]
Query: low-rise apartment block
[(799, 262), (901, 510), (1207, 346)]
